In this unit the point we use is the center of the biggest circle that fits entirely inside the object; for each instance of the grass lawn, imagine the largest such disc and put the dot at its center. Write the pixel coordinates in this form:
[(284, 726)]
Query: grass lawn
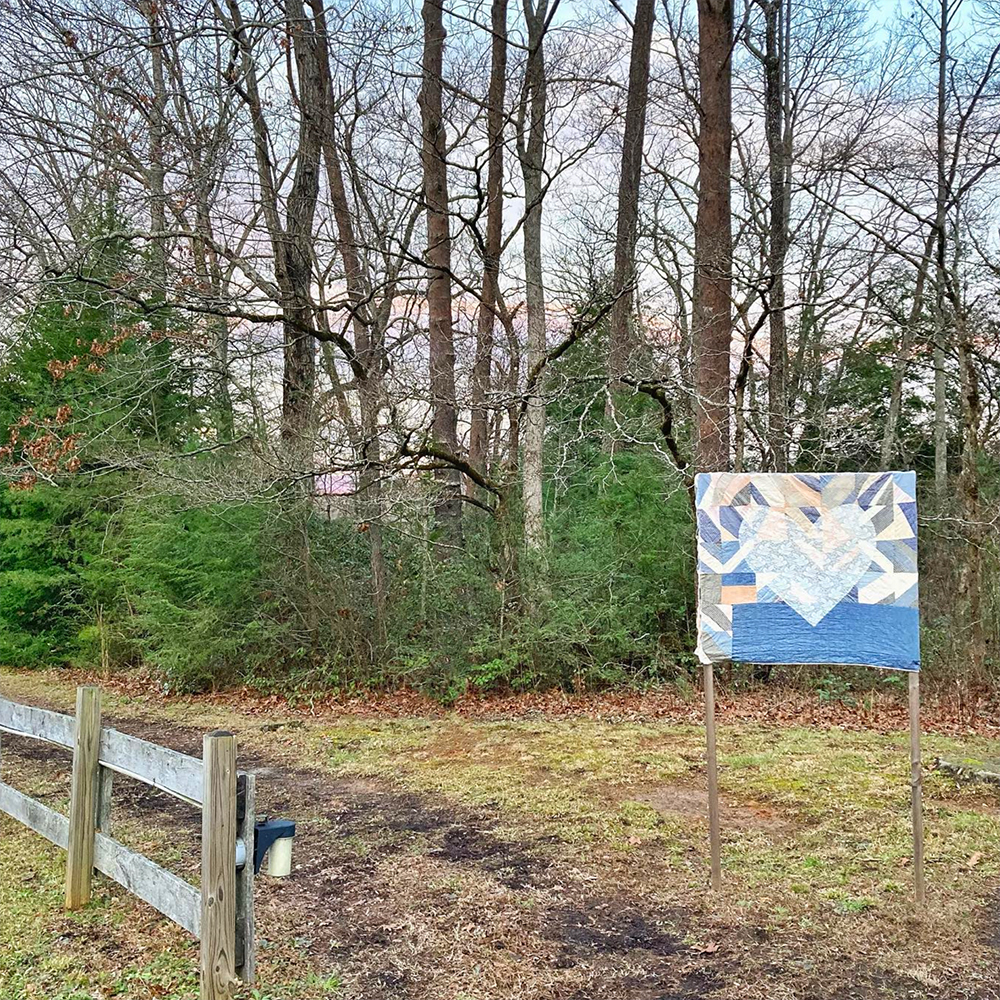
[(565, 857)]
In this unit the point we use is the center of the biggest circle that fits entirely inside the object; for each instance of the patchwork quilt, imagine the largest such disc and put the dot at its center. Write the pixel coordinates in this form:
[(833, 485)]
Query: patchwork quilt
[(808, 568)]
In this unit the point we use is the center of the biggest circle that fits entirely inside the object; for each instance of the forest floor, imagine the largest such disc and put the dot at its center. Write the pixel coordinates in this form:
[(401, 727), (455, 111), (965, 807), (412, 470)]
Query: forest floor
[(548, 848)]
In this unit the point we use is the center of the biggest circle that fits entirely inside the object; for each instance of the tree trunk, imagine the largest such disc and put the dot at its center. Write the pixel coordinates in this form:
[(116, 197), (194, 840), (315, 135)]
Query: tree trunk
[(743, 375), (444, 421), (513, 459), (531, 151), (299, 379), (157, 171), (623, 340), (903, 359), (290, 243), (970, 578), (940, 224), (712, 327), (367, 344), (777, 128), (210, 276), (740, 423), (157, 192), (482, 372)]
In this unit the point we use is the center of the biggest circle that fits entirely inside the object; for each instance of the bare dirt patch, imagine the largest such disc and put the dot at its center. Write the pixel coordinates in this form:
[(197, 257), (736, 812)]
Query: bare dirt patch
[(602, 928), (691, 802)]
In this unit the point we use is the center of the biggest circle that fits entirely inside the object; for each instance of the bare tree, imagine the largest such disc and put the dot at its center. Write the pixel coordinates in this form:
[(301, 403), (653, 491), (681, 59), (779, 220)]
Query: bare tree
[(291, 240), (623, 339), (911, 325), (439, 293), (712, 327), (531, 140), (775, 58), (483, 367), (947, 10)]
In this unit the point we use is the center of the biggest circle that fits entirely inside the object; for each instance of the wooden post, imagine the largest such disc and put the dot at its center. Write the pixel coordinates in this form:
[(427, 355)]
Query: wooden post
[(83, 797), (714, 833), (916, 790), (105, 783), (246, 957), (218, 868)]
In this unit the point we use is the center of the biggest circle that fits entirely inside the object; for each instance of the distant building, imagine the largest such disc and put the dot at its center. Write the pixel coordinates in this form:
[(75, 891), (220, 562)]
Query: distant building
[(333, 493)]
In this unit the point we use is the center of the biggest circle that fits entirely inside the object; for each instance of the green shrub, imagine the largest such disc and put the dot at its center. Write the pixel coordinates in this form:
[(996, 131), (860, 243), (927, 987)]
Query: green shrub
[(55, 571), (193, 578)]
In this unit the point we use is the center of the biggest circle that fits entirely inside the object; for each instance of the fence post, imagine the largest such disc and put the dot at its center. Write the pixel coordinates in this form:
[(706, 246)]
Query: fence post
[(916, 790), (83, 797), (105, 784), (218, 868), (246, 958), (714, 824)]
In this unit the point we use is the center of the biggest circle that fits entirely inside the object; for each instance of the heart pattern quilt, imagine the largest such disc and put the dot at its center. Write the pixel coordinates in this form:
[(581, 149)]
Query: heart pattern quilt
[(808, 568)]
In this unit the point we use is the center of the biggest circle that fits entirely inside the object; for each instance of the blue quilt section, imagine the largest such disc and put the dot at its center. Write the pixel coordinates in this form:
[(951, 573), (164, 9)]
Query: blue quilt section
[(878, 635)]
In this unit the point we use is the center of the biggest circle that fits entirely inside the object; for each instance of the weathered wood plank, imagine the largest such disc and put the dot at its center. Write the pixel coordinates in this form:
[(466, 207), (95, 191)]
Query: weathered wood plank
[(83, 798), (176, 773), (714, 823), (171, 895), (916, 790), (246, 956), (105, 787), (52, 825), (218, 868), (26, 720), (164, 891), (170, 771)]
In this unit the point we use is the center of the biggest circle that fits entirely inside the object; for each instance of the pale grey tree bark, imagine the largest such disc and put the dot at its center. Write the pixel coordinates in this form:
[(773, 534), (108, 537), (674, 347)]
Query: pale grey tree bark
[(482, 373), (901, 364), (531, 140)]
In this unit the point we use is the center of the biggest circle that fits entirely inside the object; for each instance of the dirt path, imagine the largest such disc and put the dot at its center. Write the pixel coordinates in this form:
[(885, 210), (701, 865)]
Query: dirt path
[(413, 897)]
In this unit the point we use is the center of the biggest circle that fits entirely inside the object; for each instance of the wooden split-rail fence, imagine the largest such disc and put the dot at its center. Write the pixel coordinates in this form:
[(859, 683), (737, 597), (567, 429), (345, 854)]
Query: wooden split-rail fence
[(220, 912)]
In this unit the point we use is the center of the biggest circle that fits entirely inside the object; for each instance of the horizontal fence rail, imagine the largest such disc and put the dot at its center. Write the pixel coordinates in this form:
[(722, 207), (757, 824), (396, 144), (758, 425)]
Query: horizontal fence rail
[(52, 825), (162, 768), (171, 895), (99, 752), (164, 891), (37, 723)]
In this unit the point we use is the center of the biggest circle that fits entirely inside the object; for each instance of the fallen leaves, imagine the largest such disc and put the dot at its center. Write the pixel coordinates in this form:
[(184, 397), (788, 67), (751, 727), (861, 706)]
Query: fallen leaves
[(880, 712)]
